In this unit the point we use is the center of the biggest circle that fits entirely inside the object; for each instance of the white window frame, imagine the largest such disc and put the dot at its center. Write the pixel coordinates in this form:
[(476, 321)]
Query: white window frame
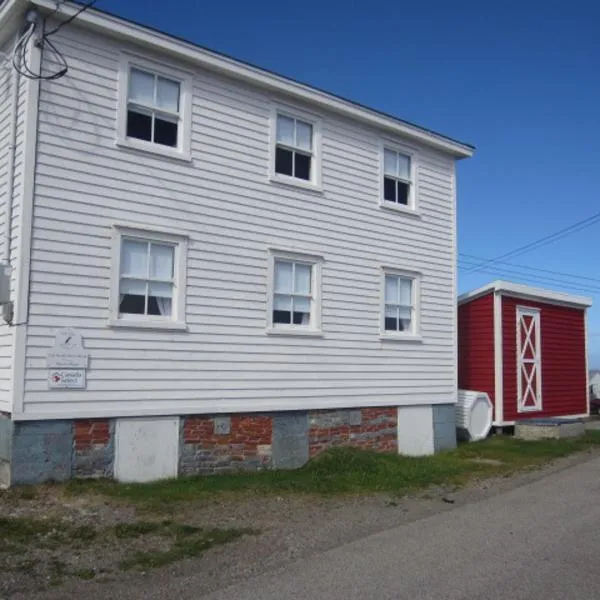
[(536, 315), (184, 78), (314, 183), (316, 262), (412, 207), (177, 319), (415, 334)]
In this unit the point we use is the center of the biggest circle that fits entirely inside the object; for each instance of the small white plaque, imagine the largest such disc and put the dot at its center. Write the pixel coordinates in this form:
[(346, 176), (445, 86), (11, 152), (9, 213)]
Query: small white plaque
[(66, 378), (68, 352)]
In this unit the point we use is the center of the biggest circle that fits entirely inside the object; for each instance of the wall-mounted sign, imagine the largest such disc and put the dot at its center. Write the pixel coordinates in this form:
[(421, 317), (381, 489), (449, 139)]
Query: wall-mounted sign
[(66, 378), (68, 352)]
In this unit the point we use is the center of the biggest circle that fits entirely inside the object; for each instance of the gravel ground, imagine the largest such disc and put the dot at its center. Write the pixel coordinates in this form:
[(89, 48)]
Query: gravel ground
[(290, 527)]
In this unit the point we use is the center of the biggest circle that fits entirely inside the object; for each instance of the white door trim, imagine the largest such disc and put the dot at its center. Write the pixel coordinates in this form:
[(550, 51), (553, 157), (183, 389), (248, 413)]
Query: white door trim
[(532, 342)]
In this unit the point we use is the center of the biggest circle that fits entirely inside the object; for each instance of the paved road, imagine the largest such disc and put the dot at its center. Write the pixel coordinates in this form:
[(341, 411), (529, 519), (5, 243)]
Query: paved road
[(541, 541)]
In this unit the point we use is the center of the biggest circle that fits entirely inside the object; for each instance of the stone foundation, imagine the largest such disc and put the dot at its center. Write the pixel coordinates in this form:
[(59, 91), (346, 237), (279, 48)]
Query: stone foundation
[(546, 429), (35, 451)]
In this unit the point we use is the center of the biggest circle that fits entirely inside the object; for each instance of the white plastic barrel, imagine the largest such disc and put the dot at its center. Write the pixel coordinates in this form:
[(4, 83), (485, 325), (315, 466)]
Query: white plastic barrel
[(474, 415)]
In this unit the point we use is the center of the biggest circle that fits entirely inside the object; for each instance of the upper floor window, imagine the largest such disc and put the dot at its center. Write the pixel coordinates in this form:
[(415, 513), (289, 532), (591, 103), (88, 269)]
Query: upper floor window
[(397, 178), (294, 293), (153, 112), (149, 285), (295, 153), (400, 304), (154, 107)]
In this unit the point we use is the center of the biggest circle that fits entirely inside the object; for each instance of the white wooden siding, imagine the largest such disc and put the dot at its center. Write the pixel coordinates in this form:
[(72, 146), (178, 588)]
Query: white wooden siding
[(6, 332), (224, 202)]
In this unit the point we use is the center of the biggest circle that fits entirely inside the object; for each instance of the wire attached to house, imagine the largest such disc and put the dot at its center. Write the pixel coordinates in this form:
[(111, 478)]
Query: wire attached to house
[(20, 53)]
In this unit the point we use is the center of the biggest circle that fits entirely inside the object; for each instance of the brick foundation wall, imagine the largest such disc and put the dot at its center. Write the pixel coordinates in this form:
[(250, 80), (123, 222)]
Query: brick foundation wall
[(366, 428), (213, 444), (93, 448)]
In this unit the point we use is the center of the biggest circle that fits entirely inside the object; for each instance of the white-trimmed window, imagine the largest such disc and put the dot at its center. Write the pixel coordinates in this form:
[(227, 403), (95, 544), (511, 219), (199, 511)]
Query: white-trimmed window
[(400, 304), (155, 108), (295, 153), (294, 293), (398, 178), (149, 278)]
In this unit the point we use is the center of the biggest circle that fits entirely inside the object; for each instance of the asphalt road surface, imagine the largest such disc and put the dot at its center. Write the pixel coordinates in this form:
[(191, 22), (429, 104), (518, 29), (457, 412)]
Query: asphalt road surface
[(540, 541)]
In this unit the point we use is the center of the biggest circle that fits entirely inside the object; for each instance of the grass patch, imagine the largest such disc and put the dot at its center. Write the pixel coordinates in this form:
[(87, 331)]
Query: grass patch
[(85, 574), (187, 542), (135, 530), (349, 471)]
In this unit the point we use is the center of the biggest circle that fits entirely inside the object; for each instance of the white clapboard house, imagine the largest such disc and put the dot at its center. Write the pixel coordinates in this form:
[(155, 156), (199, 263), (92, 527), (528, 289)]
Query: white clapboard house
[(209, 266)]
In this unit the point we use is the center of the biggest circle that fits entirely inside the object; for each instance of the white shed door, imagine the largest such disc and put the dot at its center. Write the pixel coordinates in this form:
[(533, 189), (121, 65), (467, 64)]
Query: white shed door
[(146, 449), (529, 364)]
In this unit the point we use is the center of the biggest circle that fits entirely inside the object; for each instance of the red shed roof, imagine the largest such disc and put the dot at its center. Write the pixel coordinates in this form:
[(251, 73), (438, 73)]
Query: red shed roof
[(519, 290)]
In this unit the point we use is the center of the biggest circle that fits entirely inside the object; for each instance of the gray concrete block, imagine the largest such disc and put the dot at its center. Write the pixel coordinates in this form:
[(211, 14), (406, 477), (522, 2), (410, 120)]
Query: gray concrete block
[(444, 413), (6, 433), (98, 461), (41, 451), (354, 417), (290, 440), (444, 435), (222, 425)]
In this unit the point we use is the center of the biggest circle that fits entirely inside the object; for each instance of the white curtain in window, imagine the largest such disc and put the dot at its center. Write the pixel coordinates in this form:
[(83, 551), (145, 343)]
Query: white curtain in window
[(134, 258), (302, 305), (391, 289), (390, 162), (285, 130), (404, 166), (302, 279), (283, 277), (303, 135), (141, 87), (161, 261), (163, 292), (167, 94), (405, 298)]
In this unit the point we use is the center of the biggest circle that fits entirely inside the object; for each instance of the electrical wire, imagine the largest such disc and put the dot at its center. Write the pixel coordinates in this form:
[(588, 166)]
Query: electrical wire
[(532, 279), (20, 52), (543, 241), (529, 268)]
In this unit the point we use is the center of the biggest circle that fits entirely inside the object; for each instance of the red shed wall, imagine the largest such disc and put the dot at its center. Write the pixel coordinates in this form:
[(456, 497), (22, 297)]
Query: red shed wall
[(476, 345), (564, 379)]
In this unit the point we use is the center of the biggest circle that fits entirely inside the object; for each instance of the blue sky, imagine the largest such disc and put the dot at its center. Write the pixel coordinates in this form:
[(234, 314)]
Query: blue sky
[(520, 80)]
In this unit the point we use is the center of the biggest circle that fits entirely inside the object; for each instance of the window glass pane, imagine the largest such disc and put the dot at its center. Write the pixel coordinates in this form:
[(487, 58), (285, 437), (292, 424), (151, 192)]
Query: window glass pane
[(389, 189), (303, 135), (301, 311), (390, 162), (161, 261), (405, 291), (165, 131), (133, 287), (403, 166), (160, 299), (132, 297), (403, 192), (282, 309), (134, 258), (141, 87), (302, 166), (160, 290), (391, 318), (391, 289), (405, 321), (139, 125), (284, 161), (283, 277), (285, 130), (167, 94), (302, 282)]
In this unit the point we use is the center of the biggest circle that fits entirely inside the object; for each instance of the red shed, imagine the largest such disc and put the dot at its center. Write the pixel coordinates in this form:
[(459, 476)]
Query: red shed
[(525, 347)]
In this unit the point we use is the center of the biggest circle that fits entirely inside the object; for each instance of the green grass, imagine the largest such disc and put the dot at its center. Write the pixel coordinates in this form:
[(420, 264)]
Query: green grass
[(187, 542), (348, 471)]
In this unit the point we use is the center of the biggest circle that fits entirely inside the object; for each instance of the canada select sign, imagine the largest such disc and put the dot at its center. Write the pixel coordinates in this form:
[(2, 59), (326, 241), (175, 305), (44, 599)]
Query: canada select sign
[(66, 378)]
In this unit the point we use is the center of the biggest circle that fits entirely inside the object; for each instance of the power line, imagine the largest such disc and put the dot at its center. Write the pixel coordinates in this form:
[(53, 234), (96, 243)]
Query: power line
[(518, 266), (543, 241), (528, 279)]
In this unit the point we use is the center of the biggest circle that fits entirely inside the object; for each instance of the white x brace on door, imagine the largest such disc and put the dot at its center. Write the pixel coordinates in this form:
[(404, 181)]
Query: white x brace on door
[(529, 367)]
